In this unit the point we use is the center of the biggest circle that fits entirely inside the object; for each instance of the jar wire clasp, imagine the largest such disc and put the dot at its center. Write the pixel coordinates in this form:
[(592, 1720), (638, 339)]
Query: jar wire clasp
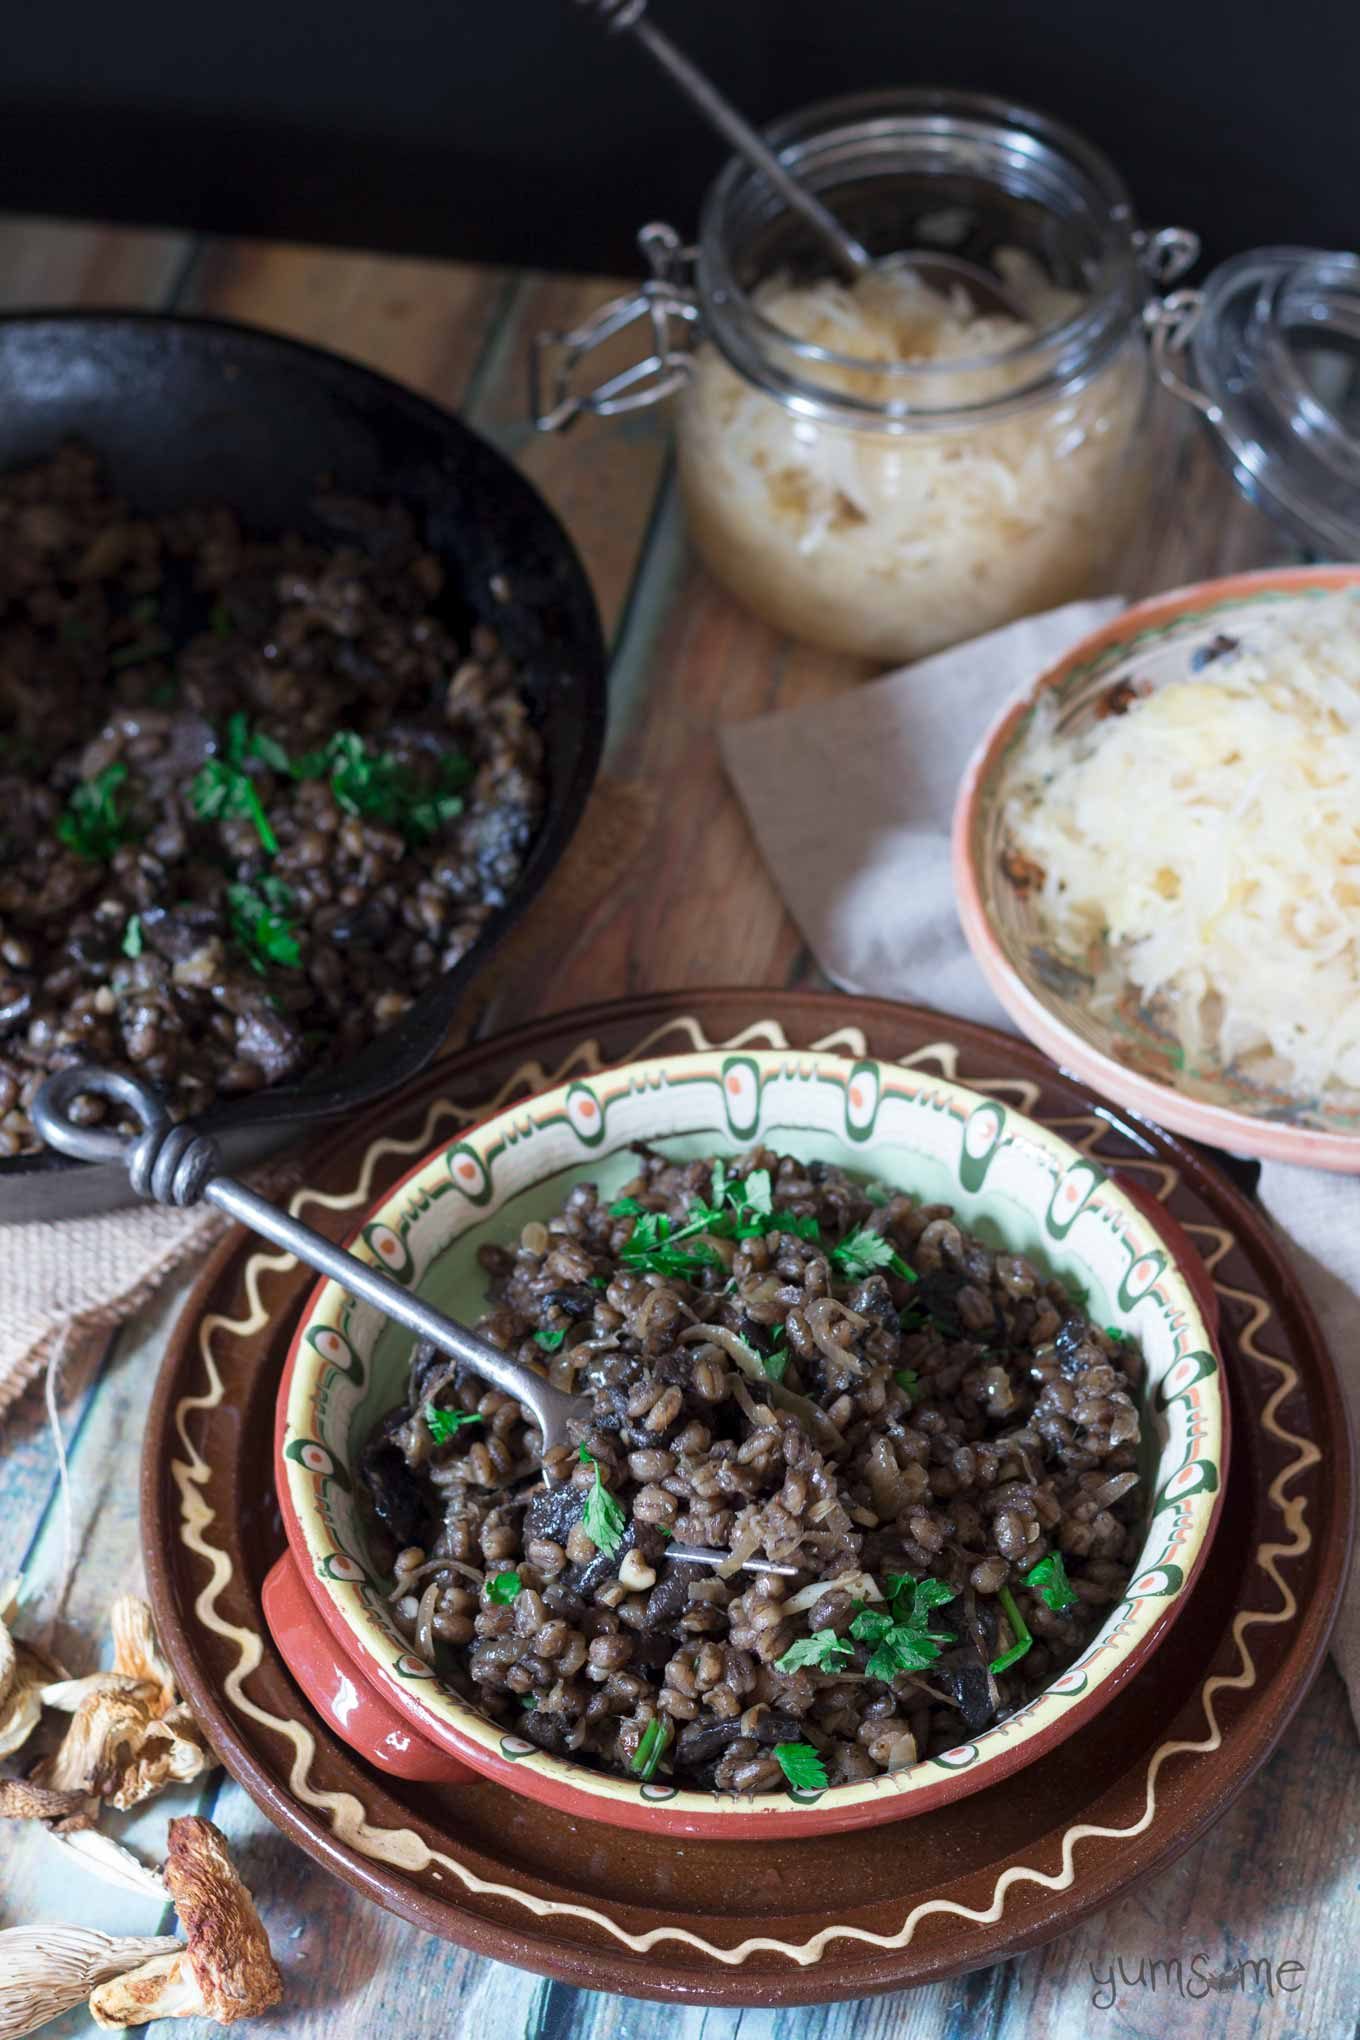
[(665, 305)]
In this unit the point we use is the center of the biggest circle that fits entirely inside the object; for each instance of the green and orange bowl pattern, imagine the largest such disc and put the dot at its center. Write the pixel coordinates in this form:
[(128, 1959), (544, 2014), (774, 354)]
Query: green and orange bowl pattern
[(1129, 1053), (1016, 1183)]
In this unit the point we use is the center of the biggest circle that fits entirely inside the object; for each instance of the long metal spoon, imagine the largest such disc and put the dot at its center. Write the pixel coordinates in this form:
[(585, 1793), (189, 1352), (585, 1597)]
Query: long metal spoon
[(175, 1165), (850, 256)]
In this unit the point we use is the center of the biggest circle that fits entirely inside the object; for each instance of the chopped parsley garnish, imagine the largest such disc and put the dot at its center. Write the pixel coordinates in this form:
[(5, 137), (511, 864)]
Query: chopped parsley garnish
[(549, 1341), (379, 785), (901, 1634), (502, 1588), (1021, 1638), (1049, 1576), (602, 1519), (859, 1253), (598, 1281), (92, 824), (654, 1246), (823, 1651), (243, 743), (776, 1361), (801, 1765), (219, 790), (908, 1380), (258, 917), (656, 1740), (132, 936), (220, 619), (1113, 1332), (738, 1208), (443, 1423)]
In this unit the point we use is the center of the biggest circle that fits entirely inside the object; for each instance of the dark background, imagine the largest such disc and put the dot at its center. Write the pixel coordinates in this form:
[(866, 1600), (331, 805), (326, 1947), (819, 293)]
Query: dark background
[(513, 131)]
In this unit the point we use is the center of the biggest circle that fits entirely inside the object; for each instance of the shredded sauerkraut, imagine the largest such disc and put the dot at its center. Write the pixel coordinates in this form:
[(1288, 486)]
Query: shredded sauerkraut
[(893, 545), (1209, 838)]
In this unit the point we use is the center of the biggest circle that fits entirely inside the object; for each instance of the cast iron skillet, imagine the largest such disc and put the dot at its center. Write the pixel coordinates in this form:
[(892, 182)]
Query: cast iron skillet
[(186, 411)]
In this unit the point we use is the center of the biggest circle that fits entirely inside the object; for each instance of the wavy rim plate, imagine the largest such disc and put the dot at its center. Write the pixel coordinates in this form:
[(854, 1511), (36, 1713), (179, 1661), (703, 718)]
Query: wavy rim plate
[(1043, 993), (718, 1922)]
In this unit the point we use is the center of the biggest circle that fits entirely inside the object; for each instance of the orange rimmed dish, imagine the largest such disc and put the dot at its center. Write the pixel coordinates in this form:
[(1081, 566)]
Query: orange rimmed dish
[(1126, 1050), (1012, 1181)]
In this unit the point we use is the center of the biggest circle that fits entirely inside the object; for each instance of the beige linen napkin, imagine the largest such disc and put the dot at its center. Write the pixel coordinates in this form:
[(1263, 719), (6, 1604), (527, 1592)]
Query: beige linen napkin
[(851, 802)]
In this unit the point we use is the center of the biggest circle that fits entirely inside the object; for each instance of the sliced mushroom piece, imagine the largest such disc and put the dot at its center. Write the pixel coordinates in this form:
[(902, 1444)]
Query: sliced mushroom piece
[(45, 1971), (226, 1972)]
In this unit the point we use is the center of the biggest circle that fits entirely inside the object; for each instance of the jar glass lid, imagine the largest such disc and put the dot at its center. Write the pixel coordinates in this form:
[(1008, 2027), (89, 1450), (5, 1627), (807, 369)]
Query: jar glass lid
[(1276, 354)]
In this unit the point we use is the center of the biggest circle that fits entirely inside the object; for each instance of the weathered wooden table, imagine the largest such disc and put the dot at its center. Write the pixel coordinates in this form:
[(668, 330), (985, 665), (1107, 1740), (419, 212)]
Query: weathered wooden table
[(631, 908)]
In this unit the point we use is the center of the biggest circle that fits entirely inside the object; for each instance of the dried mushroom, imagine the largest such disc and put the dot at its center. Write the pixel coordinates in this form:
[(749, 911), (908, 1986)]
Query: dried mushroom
[(130, 1735), (24, 1672), (21, 1799), (226, 1971), (45, 1971)]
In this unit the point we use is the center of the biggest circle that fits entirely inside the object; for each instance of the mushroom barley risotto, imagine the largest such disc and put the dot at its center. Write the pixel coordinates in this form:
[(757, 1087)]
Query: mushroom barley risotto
[(255, 795), (787, 1365)]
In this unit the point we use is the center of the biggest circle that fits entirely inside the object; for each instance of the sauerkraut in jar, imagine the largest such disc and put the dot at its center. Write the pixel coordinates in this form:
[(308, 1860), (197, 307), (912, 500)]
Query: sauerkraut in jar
[(953, 439), (894, 544)]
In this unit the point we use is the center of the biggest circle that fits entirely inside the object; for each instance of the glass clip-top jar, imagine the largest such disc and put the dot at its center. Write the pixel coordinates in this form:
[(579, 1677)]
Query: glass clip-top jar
[(887, 466), (1272, 343)]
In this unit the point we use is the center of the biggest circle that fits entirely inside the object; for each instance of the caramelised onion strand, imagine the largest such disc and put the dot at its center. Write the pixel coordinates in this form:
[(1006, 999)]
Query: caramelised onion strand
[(434, 1566), (1118, 1485), (424, 1638), (813, 1420)]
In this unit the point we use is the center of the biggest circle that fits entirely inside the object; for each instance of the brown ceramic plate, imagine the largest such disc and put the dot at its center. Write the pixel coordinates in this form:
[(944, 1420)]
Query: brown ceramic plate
[(758, 1923)]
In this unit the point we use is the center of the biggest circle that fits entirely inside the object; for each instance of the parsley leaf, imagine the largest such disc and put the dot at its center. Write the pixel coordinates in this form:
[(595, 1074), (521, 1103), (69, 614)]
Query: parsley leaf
[(603, 1520), (626, 1207), (1021, 1638), (653, 1245), (801, 1765), (901, 1634), (1113, 1332), (220, 619), (656, 1740), (823, 1651), (776, 1361), (908, 1380), (257, 914), (443, 1423), (1049, 1576), (92, 824), (502, 1588), (219, 790), (862, 1251), (379, 785), (132, 936), (549, 1341)]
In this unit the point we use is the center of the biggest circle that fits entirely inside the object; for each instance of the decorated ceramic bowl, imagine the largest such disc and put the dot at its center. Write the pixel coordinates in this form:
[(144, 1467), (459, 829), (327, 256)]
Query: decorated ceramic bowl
[(1128, 1053), (1011, 1181)]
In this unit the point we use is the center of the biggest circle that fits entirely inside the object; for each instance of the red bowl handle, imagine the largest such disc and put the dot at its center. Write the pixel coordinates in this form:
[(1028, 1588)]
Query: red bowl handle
[(1179, 1245), (346, 1701)]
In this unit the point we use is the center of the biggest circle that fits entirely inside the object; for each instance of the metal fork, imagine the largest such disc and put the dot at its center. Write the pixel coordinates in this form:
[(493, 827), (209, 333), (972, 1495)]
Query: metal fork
[(937, 269), (178, 1166)]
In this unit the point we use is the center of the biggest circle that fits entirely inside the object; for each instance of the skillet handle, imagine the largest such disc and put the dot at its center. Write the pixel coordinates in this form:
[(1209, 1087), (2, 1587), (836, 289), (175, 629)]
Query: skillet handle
[(1180, 1246)]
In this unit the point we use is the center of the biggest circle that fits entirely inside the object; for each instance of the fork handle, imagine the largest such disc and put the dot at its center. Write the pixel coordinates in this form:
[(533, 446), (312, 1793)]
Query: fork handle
[(174, 1165), (850, 257)]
